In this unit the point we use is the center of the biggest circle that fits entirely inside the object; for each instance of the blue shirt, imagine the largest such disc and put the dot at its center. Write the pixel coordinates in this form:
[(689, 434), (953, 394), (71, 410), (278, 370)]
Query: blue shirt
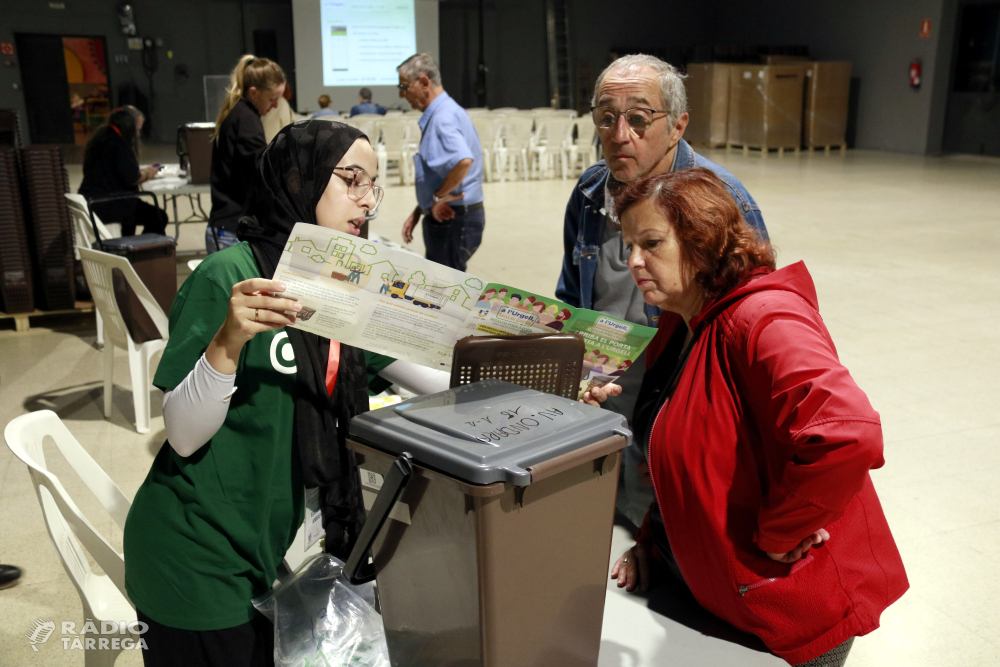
[(448, 138), (325, 112), (367, 107)]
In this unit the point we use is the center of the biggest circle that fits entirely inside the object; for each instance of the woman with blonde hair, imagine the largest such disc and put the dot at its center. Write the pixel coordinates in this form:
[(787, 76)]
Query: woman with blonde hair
[(255, 87)]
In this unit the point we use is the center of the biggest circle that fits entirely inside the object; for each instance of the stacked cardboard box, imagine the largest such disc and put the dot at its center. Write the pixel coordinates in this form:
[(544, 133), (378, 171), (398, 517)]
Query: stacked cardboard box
[(708, 99), (828, 86), (765, 106)]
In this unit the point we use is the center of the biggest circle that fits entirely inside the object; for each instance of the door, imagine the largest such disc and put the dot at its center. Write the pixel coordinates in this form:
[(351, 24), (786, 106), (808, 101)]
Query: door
[(43, 73), (972, 124)]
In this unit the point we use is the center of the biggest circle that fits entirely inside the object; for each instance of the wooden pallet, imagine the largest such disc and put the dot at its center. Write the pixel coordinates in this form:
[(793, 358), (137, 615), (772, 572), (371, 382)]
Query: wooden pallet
[(763, 150), (828, 148), (22, 321)]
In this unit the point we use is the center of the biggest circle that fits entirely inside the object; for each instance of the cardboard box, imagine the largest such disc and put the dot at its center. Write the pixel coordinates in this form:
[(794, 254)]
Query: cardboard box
[(765, 106), (708, 99), (784, 60), (828, 86)]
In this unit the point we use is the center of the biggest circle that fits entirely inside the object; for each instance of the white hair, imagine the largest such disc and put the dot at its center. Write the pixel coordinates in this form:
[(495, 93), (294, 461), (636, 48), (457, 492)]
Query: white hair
[(418, 65), (672, 91)]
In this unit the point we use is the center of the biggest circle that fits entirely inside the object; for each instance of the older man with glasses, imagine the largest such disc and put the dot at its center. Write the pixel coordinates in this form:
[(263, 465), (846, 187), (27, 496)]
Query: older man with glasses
[(449, 168), (640, 110)]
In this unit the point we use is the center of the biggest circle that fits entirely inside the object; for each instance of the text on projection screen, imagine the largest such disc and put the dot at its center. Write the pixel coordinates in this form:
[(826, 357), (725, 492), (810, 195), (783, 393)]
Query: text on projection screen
[(364, 41)]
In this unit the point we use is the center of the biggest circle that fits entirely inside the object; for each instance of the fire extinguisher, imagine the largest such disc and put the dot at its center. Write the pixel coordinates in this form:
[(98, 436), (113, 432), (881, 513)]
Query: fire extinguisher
[(915, 73)]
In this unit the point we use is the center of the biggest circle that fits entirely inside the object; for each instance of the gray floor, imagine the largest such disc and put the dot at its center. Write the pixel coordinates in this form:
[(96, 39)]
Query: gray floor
[(903, 250)]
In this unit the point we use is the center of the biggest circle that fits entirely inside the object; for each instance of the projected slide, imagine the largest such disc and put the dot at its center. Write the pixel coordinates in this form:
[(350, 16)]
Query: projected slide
[(364, 41)]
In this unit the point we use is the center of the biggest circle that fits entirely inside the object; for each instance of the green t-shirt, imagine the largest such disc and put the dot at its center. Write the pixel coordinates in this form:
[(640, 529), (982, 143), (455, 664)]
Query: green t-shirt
[(206, 533)]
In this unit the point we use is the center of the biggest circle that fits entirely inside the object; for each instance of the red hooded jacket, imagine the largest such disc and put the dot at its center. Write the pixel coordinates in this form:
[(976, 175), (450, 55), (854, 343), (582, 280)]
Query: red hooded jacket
[(765, 439)]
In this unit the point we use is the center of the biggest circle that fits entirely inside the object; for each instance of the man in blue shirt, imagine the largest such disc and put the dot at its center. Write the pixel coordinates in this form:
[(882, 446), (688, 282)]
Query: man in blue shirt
[(640, 110), (366, 105), (324, 107), (449, 168)]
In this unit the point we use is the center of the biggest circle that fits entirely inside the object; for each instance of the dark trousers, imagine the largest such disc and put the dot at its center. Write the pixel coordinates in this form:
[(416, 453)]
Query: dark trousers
[(247, 645), (454, 241), (131, 214)]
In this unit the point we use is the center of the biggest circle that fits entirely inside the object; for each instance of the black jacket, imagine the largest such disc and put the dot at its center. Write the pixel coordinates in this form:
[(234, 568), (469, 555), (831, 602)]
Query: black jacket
[(110, 168), (235, 155)]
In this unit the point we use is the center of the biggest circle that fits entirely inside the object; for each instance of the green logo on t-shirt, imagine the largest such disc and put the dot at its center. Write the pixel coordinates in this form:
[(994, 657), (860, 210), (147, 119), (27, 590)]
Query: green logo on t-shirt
[(282, 354)]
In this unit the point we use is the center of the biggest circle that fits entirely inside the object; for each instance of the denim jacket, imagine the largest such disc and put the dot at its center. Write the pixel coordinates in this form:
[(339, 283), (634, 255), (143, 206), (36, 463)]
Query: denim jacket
[(583, 229)]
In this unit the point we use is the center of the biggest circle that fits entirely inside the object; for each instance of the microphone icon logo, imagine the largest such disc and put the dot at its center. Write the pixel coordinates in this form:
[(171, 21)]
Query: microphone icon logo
[(39, 632)]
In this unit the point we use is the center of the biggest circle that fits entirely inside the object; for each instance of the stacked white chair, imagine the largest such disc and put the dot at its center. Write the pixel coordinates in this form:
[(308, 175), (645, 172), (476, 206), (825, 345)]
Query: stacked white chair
[(393, 112), (584, 147), (518, 143), (103, 595), (477, 111), (98, 267), (488, 129), (392, 146), (83, 234), (366, 122), (555, 134)]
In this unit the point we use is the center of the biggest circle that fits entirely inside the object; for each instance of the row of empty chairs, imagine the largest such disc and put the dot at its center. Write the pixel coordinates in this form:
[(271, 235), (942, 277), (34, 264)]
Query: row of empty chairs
[(534, 143)]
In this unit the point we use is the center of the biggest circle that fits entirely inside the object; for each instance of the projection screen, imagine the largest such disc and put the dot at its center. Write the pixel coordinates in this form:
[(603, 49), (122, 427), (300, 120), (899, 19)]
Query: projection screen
[(342, 45)]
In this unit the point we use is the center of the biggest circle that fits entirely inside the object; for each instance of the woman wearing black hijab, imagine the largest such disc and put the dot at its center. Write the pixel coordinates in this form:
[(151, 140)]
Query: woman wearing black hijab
[(253, 413)]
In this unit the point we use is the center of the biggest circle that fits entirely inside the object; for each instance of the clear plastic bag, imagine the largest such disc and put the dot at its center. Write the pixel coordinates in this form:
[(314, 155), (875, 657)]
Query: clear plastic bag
[(321, 620)]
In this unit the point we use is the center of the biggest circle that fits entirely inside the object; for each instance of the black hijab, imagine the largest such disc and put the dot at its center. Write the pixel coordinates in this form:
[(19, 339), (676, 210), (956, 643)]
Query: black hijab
[(293, 172)]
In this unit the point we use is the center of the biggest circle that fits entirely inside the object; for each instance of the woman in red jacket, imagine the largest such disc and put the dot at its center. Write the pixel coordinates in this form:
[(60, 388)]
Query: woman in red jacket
[(759, 441)]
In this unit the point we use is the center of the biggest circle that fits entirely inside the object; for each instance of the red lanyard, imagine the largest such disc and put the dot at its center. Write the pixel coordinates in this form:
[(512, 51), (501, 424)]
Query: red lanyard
[(332, 366)]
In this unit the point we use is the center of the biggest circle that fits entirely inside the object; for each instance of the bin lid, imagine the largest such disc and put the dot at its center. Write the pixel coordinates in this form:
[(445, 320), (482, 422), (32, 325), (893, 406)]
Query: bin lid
[(486, 432)]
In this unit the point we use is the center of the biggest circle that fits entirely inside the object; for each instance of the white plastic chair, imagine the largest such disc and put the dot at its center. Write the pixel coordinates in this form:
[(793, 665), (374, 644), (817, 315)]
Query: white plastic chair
[(103, 595), (488, 130), (391, 113), (583, 147), (474, 111), (83, 234), (366, 122), (98, 268), (555, 133), (393, 146), (518, 143)]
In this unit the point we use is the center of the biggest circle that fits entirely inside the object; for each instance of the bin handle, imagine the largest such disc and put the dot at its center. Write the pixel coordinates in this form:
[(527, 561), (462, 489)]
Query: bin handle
[(569, 460), (395, 481)]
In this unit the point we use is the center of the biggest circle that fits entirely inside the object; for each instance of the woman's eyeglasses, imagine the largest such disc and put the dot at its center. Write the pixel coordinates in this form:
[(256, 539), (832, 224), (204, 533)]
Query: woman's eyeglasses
[(360, 183)]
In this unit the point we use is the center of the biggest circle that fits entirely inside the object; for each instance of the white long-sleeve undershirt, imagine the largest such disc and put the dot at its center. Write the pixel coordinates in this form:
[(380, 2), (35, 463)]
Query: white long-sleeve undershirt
[(195, 409)]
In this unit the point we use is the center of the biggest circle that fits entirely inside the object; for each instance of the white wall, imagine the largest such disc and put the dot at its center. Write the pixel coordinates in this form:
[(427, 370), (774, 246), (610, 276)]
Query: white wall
[(309, 58)]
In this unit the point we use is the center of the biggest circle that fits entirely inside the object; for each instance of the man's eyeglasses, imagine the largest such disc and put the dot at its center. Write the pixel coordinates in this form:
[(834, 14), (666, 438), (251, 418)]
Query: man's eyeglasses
[(360, 183), (638, 119), (403, 87)]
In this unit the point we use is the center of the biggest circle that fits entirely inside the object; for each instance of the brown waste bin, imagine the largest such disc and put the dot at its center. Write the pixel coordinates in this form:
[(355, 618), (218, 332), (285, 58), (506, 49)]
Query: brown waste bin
[(194, 149), (496, 553)]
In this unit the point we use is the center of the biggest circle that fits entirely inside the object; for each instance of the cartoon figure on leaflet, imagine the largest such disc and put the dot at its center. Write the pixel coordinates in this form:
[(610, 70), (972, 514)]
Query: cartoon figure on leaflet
[(482, 306), (354, 277), (559, 322), (548, 316), (515, 302), (590, 361), (499, 302), (384, 289)]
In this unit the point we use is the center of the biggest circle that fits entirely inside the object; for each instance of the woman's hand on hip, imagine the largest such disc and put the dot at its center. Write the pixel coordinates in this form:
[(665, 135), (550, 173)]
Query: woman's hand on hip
[(252, 310), (632, 569), (800, 551)]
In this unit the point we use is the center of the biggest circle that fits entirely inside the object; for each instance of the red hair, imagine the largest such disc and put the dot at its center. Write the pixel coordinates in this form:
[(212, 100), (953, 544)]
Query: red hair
[(716, 242)]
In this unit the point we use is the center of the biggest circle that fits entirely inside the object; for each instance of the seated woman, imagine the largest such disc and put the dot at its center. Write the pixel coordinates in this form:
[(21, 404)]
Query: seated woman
[(111, 167), (759, 442), (253, 412)]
